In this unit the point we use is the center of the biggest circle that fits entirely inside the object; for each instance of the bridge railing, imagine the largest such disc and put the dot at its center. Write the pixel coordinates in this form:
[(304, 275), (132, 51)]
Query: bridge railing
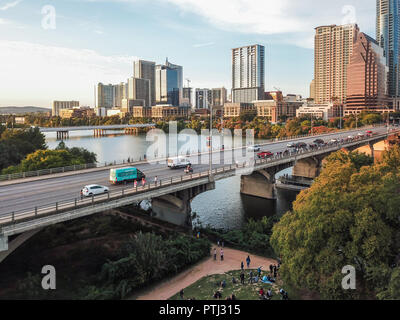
[(80, 202), (138, 160)]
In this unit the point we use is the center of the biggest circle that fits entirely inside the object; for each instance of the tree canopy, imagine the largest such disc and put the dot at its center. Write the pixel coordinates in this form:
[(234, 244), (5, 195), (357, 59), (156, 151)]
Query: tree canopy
[(350, 216)]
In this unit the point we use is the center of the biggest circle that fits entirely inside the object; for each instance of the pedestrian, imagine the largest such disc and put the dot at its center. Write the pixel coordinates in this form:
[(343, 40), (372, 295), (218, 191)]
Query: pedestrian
[(155, 180), (222, 254), (215, 254), (218, 243), (271, 268), (181, 293), (198, 235), (143, 181), (135, 184), (251, 277), (242, 266), (81, 194), (275, 271), (242, 277), (259, 271), (248, 260)]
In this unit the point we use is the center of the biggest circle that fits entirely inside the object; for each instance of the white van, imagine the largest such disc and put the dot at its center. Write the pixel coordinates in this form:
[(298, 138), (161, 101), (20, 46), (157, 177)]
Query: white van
[(178, 162)]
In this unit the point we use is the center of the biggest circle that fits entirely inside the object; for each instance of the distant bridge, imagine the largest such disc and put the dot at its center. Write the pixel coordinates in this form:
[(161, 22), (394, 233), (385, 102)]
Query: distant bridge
[(63, 132)]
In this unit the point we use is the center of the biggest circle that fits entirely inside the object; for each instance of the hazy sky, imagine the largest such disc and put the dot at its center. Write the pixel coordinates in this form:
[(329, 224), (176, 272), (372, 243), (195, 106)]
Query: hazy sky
[(45, 57)]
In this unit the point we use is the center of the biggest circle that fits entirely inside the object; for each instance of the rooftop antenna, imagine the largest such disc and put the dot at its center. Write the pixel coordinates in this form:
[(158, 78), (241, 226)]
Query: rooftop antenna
[(188, 82)]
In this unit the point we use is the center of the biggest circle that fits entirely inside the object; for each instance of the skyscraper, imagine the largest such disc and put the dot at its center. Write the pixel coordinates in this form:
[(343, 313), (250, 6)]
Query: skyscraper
[(248, 73), (169, 83), (366, 77), (203, 98), (120, 92), (332, 52), (139, 89), (388, 38), (105, 96), (218, 97), (146, 70)]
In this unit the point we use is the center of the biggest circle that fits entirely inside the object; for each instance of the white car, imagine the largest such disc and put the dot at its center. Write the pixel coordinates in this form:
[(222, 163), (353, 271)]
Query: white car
[(178, 162), (93, 190), (350, 137), (255, 148)]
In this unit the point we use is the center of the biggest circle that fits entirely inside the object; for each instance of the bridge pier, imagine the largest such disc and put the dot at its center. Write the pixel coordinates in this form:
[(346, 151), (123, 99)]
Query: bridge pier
[(308, 168), (176, 208), (62, 135), (260, 184), (3, 243), (371, 147)]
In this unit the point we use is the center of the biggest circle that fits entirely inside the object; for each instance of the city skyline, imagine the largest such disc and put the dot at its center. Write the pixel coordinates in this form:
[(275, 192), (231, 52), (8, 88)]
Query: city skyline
[(101, 53)]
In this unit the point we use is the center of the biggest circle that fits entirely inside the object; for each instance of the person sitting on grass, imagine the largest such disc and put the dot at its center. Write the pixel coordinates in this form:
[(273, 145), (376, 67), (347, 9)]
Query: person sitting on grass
[(234, 281), (261, 292), (233, 297), (284, 294), (269, 294), (223, 283), (217, 295)]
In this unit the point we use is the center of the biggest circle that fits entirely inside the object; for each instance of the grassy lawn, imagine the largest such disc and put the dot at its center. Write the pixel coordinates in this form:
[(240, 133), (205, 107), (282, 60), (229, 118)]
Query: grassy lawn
[(205, 288)]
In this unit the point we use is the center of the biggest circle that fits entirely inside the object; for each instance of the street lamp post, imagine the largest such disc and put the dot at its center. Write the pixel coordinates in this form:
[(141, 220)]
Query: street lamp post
[(210, 140)]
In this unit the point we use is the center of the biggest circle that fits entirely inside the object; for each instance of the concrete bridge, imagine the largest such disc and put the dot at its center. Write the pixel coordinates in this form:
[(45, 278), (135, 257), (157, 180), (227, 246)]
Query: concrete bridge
[(171, 196)]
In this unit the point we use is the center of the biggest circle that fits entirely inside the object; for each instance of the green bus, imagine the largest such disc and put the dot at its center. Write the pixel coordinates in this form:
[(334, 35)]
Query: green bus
[(123, 175)]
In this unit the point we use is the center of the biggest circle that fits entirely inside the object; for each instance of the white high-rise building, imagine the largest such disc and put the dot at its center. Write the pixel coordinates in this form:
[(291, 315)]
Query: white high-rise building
[(248, 73)]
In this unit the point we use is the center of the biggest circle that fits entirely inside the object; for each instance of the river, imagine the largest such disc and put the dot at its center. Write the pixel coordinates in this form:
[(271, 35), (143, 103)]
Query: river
[(222, 208)]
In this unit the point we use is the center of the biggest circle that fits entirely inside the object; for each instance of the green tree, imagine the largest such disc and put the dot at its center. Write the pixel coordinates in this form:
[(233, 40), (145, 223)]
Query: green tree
[(348, 217)]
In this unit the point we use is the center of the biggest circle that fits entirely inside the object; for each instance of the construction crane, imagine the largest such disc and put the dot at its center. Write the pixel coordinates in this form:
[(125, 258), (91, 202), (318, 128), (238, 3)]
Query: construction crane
[(188, 82), (277, 89)]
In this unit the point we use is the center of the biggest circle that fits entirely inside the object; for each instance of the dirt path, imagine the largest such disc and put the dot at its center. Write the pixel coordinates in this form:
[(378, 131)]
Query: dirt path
[(232, 261)]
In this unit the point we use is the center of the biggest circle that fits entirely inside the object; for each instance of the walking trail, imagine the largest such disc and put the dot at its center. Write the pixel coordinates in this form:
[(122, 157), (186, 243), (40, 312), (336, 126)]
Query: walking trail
[(232, 261)]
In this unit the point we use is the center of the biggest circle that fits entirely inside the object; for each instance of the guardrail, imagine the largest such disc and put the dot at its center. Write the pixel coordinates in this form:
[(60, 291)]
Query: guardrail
[(76, 203), (133, 161)]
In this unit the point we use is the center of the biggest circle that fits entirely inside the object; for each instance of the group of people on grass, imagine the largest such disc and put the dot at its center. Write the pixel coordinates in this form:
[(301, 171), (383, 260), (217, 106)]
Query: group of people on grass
[(253, 278)]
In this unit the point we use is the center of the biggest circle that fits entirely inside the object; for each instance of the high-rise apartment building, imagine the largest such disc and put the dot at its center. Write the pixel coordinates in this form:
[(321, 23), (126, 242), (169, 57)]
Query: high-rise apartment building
[(366, 77), (186, 97), (203, 98), (105, 96), (388, 38), (139, 90), (312, 90), (218, 97), (120, 92), (333, 49), (146, 70), (248, 74), (60, 105)]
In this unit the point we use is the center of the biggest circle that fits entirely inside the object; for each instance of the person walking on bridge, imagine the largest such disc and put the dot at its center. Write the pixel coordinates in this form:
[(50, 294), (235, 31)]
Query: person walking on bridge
[(155, 180)]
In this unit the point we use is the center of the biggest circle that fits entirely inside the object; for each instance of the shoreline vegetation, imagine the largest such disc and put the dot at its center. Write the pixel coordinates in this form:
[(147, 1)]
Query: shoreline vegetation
[(99, 258)]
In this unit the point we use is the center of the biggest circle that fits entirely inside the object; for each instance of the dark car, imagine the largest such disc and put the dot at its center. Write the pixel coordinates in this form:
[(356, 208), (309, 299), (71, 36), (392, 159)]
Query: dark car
[(319, 142), (301, 145)]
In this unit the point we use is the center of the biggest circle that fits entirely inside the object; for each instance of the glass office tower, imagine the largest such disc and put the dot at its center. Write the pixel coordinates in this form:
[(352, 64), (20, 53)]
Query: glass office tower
[(388, 37)]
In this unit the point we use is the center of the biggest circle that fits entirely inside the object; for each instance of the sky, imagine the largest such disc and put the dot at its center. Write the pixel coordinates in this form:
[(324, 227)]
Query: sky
[(60, 49)]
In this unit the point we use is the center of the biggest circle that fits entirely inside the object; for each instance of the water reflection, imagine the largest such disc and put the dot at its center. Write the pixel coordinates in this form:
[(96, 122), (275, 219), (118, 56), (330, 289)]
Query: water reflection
[(223, 207)]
